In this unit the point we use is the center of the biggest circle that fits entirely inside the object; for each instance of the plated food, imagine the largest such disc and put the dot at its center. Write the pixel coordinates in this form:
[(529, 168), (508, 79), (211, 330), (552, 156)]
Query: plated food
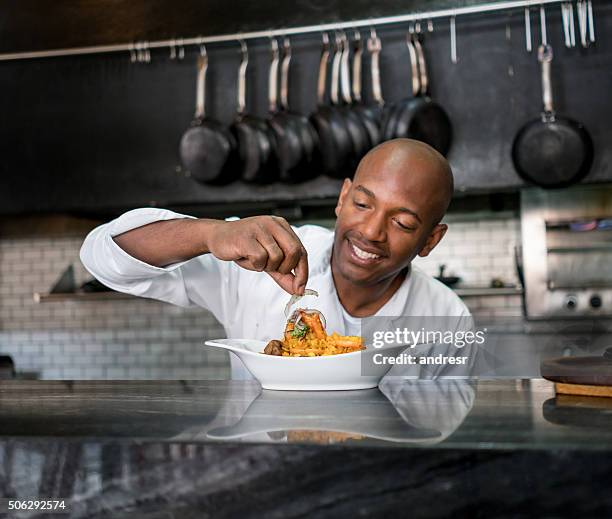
[(305, 336), (306, 358)]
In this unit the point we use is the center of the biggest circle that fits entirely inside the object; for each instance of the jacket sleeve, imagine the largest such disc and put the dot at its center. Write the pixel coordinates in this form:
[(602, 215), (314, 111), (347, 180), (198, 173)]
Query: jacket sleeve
[(204, 281)]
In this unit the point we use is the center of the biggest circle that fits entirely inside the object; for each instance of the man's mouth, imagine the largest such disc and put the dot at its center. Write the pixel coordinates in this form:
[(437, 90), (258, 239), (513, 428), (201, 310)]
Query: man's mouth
[(363, 255)]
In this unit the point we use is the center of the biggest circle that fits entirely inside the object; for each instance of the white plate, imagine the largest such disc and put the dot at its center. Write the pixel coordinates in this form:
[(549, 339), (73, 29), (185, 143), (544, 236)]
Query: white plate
[(325, 373)]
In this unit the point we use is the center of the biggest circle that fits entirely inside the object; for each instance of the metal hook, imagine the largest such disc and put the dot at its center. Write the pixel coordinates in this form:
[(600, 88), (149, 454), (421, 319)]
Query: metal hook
[(528, 39), (373, 34), (591, 21), (147, 52), (173, 49), (244, 50), (543, 25), (132, 52), (581, 9), (203, 47), (356, 35), (181, 48), (430, 26), (417, 26), (570, 11), (139, 52), (453, 40), (325, 39)]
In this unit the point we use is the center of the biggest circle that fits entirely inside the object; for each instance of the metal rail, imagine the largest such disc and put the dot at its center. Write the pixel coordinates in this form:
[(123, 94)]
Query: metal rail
[(174, 43)]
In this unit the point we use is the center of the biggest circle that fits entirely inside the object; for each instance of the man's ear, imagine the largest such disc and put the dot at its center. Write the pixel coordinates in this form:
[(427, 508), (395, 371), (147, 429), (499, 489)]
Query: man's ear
[(346, 186), (433, 239)]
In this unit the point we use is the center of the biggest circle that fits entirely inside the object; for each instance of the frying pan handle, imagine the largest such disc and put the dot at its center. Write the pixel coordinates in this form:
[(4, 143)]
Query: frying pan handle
[(335, 77), (323, 70), (345, 73), (273, 78), (424, 79), (545, 56), (202, 65), (284, 81), (375, 46), (357, 63), (244, 62), (414, 66)]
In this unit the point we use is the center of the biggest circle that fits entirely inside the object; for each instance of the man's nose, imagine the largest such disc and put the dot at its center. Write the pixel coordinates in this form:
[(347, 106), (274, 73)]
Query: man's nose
[(374, 228)]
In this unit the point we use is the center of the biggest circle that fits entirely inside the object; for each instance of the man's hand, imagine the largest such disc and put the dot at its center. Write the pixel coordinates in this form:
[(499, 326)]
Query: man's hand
[(263, 244)]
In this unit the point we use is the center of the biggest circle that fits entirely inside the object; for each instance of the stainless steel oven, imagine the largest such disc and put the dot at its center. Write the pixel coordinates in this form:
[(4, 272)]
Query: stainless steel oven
[(567, 251)]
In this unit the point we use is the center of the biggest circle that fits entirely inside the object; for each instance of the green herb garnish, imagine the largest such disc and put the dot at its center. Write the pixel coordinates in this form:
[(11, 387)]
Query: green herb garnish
[(299, 332)]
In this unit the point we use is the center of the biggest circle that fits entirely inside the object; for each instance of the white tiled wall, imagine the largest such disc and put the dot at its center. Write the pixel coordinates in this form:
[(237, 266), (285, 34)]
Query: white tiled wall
[(477, 251), (115, 339), (140, 338)]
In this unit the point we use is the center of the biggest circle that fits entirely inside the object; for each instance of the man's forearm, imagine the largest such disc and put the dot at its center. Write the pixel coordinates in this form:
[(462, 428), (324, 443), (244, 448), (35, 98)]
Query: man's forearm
[(166, 242)]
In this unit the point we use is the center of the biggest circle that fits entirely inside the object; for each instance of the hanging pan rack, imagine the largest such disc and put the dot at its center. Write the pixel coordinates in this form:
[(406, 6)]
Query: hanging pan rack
[(140, 51)]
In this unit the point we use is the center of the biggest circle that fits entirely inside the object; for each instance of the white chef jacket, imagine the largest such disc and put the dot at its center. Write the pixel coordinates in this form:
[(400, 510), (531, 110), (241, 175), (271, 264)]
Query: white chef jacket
[(248, 304)]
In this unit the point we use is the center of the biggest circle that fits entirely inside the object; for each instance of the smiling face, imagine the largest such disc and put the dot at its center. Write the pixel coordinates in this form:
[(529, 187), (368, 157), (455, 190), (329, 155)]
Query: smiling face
[(390, 212)]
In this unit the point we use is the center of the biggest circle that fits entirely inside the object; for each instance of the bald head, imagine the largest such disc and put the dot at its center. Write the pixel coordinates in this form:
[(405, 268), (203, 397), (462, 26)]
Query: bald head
[(416, 166)]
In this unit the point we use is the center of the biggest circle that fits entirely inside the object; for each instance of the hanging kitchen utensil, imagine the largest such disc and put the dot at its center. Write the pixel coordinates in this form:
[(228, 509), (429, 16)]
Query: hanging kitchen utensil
[(420, 117), (307, 166), (253, 138), (389, 129), (207, 147), (355, 125), (369, 114), (552, 151), (287, 144), (334, 140)]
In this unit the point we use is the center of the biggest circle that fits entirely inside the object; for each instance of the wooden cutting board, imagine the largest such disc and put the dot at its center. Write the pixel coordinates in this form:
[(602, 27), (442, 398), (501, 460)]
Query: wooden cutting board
[(589, 376)]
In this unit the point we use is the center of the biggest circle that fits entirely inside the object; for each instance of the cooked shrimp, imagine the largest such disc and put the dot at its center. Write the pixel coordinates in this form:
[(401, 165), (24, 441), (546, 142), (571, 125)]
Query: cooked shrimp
[(313, 322)]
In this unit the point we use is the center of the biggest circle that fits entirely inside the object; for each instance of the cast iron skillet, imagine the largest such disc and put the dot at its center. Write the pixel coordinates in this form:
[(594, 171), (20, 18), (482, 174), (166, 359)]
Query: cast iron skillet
[(369, 114), (420, 117), (287, 145), (206, 148), (394, 111), (254, 143), (309, 164), (354, 125), (334, 141), (552, 151)]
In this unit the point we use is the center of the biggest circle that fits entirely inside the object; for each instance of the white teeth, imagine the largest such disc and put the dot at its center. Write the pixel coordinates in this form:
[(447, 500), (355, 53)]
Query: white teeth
[(363, 254)]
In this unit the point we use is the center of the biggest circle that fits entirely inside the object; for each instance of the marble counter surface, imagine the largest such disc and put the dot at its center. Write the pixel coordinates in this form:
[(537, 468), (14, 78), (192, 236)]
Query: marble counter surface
[(229, 449)]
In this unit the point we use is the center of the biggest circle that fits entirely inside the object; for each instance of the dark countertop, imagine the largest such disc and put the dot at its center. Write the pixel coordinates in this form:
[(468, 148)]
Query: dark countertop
[(228, 449), (511, 414)]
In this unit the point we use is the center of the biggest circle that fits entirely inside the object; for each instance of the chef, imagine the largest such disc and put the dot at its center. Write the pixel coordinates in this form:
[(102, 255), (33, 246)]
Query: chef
[(244, 270)]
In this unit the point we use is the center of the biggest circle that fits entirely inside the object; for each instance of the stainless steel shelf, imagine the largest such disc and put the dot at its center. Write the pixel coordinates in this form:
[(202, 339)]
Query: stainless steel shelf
[(80, 296), (488, 291)]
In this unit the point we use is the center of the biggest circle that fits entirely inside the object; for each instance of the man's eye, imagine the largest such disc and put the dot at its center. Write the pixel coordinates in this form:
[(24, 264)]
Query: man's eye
[(361, 205), (403, 227)]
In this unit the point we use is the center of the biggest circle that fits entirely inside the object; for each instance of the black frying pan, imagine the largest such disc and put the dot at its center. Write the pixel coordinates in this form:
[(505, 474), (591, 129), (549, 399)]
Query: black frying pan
[(355, 126), (309, 165), (369, 114), (392, 113), (552, 151), (254, 142), (420, 117), (334, 141), (206, 148), (287, 144)]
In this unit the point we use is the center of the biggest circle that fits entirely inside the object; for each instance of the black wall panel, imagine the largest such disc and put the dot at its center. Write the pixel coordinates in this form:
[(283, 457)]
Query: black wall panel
[(97, 132)]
